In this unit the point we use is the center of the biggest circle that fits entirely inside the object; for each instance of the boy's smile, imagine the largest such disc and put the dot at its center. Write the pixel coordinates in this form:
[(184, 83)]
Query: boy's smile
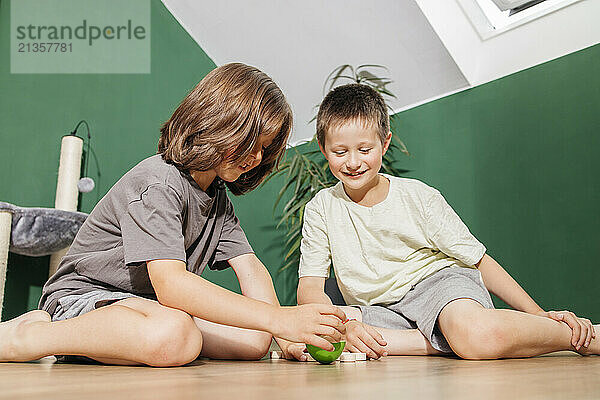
[(354, 152)]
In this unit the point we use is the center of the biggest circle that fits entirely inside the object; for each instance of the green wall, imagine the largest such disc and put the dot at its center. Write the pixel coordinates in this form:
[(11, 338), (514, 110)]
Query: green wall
[(124, 111), (513, 157), (517, 159)]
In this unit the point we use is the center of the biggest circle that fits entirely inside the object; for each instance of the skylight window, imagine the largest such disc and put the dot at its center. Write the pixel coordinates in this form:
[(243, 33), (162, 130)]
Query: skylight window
[(492, 17)]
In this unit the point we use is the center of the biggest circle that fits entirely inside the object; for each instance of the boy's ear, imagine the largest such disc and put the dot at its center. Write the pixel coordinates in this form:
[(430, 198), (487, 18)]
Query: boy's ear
[(387, 142)]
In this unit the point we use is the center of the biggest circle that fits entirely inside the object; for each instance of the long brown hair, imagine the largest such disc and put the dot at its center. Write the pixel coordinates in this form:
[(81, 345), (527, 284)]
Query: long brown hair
[(220, 121)]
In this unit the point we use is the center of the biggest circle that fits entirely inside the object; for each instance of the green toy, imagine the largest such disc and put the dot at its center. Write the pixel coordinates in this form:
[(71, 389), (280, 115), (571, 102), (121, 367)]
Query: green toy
[(324, 356)]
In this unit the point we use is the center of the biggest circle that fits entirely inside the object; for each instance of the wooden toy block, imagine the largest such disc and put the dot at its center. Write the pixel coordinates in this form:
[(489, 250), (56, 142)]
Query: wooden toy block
[(277, 355)]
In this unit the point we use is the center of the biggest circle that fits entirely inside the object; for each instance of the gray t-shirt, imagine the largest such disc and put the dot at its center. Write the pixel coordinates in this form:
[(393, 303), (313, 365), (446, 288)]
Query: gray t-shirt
[(153, 212)]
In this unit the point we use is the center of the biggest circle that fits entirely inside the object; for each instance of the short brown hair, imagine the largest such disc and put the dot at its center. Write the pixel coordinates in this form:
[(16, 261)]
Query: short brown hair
[(220, 121), (352, 102)]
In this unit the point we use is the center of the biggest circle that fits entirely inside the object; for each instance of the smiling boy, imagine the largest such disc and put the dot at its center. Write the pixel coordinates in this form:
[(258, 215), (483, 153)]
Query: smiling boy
[(417, 277)]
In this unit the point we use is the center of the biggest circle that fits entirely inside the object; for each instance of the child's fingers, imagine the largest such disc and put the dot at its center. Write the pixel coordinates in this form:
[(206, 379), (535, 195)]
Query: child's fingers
[(320, 342), (297, 352), (332, 310), (332, 321), (556, 316), (580, 328), (575, 325), (577, 339), (376, 335), (364, 348), (364, 342), (370, 341), (351, 348), (324, 330), (590, 332), (582, 336), (583, 329)]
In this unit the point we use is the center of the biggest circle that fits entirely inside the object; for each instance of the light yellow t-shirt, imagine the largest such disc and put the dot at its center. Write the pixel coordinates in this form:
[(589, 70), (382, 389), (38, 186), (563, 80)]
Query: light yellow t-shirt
[(379, 252)]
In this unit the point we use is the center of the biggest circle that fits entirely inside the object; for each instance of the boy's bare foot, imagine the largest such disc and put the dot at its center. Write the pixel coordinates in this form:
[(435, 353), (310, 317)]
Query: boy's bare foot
[(594, 347), (12, 334)]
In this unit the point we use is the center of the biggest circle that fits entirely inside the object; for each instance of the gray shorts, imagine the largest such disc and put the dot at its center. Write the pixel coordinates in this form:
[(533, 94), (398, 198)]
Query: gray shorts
[(72, 306), (422, 305)]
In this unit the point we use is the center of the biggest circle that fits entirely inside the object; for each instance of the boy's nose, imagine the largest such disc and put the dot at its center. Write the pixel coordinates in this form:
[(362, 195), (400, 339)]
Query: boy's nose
[(353, 162), (256, 157)]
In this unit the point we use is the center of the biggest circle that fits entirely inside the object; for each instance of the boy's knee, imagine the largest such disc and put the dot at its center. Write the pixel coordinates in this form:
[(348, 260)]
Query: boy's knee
[(257, 346), (172, 341), (478, 339)]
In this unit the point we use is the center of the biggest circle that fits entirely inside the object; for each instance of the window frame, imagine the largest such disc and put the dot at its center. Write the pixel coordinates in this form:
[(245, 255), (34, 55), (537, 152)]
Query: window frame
[(489, 21)]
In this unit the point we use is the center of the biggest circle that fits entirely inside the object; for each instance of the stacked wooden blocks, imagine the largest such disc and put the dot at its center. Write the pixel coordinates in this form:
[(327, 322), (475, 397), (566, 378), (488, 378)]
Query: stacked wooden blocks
[(344, 357)]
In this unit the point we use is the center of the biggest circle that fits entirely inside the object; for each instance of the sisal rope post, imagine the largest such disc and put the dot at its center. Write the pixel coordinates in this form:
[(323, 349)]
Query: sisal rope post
[(69, 170), (5, 229)]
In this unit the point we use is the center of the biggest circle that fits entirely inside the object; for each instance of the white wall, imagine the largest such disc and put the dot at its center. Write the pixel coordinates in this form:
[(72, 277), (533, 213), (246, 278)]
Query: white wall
[(564, 31)]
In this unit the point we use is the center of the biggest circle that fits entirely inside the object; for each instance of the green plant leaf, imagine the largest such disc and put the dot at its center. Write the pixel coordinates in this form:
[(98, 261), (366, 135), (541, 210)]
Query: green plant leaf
[(288, 264), (295, 246), (284, 189), (363, 66), (292, 210), (295, 232), (334, 76), (387, 92)]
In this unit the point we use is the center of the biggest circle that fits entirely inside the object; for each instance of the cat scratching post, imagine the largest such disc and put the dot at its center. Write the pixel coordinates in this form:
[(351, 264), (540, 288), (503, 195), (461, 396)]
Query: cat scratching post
[(5, 227), (66, 188)]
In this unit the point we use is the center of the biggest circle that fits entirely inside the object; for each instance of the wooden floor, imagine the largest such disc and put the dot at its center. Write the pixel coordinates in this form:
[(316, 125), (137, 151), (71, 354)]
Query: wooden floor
[(557, 376)]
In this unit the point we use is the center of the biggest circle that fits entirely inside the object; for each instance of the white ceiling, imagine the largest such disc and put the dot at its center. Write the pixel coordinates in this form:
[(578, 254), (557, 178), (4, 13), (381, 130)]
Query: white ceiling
[(299, 42), (560, 32)]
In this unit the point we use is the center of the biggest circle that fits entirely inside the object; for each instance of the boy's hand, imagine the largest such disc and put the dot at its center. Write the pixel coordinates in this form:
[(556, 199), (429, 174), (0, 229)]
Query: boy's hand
[(583, 330), (307, 323), (363, 338), (292, 351)]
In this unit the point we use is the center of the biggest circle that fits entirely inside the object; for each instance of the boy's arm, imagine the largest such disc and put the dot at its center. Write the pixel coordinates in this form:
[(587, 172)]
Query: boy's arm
[(500, 283), (176, 287), (255, 282), (311, 289)]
